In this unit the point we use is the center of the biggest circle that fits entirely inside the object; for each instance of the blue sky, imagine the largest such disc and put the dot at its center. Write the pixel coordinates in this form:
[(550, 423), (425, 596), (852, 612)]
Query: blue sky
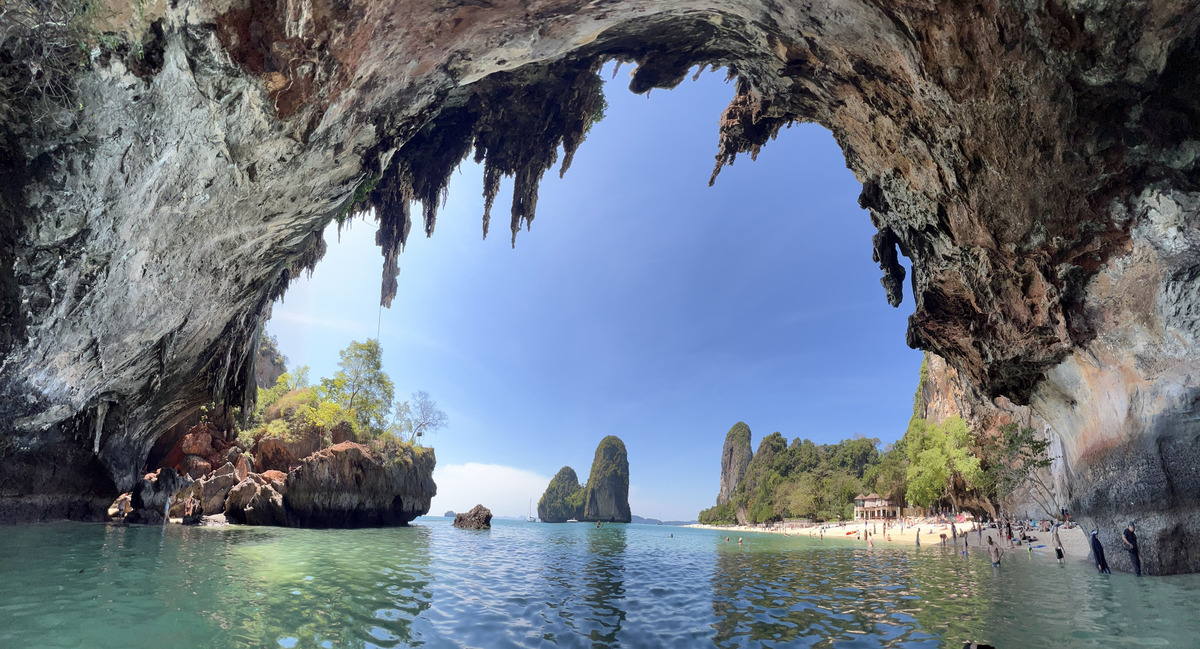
[(642, 304)]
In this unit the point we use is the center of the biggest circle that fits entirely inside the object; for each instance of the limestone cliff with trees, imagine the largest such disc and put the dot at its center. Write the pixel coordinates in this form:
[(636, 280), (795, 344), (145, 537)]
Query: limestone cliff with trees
[(942, 460), (605, 497)]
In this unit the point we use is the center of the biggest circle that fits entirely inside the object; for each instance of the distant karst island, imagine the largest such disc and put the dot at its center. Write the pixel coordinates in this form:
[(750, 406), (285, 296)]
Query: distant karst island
[(605, 497)]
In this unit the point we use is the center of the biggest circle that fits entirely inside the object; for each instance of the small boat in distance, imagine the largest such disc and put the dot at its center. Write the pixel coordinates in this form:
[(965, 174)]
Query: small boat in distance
[(529, 518), (572, 520)]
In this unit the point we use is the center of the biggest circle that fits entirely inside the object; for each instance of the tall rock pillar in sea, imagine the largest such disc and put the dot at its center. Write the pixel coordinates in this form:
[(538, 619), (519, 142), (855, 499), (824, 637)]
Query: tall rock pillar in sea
[(735, 457), (607, 496)]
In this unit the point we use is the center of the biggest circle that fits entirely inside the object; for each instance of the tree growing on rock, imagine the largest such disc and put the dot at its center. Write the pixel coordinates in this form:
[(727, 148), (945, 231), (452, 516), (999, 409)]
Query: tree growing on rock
[(1015, 459), (361, 388), (939, 459), (418, 417)]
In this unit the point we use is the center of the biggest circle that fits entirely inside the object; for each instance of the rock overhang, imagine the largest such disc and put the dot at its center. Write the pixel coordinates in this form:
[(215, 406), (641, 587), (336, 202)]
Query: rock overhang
[(1012, 152)]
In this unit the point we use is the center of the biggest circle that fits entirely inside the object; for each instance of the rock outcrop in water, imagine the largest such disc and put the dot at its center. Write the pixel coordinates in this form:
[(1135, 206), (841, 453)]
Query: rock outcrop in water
[(1036, 163), (479, 518), (606, 496), (735, 457), (351, 485), (563, 498)]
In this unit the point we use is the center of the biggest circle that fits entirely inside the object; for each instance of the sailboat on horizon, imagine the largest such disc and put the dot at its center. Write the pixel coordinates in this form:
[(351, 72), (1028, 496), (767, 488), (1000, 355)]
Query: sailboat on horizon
[(529, 518)]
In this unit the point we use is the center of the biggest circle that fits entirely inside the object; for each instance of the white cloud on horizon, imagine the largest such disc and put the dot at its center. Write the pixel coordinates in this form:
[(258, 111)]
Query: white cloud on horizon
[(503, 489)]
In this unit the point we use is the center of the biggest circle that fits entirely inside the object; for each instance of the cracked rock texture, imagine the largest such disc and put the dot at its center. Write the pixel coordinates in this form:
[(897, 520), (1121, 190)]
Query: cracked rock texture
[(1035, 162)]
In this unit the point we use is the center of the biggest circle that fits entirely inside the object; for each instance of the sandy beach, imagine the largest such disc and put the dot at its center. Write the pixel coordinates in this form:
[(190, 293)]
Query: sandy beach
[(1075, 541)]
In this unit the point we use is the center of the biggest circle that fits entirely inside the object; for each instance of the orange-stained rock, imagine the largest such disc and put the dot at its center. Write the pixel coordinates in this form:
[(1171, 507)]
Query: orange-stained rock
[(194, 467), (197, 443)]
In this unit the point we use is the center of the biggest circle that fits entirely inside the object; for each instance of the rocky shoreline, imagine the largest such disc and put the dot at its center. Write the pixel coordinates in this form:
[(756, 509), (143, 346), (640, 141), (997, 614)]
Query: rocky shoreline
[(346, 485)]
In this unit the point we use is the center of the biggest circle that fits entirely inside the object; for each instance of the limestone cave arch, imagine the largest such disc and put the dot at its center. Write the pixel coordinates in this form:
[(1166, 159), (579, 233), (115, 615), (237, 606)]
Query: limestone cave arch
[(1036, 162)]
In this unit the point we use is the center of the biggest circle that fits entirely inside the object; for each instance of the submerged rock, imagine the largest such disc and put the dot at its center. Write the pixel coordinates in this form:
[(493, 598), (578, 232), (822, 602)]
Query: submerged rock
[(607, 497), (479, 518), (735, 457)]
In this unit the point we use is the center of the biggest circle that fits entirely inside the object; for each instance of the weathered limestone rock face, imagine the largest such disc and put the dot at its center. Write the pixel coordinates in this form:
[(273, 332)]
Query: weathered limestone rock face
[(607, 492), (350, 485), (479, 518), (346, 485), (735, 457), (563, 498), (1036, 163)]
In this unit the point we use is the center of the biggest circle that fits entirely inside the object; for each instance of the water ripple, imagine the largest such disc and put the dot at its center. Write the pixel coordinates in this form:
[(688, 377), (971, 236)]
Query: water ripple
[(523, 585)]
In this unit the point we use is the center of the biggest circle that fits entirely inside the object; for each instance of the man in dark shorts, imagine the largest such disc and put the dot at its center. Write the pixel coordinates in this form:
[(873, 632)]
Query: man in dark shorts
[(1098, 554), (1131, 545)]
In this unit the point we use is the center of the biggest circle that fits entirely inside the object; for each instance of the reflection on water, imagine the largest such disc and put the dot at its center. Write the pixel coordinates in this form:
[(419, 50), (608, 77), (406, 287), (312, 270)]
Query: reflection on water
[(604, 585), (521, 585)]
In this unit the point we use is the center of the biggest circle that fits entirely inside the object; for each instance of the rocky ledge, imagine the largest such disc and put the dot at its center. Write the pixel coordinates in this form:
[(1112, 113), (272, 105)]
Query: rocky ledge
[(346, 485)]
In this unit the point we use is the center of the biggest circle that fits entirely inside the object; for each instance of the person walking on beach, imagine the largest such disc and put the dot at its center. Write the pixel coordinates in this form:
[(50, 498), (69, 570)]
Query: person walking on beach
[(918, 537), (954, 533), (1058, 549), (1131, 545), (995, 552), (1098, 554)]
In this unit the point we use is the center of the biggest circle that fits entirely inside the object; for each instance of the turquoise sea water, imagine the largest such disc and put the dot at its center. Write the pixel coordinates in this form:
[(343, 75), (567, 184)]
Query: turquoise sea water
[(537, 585)]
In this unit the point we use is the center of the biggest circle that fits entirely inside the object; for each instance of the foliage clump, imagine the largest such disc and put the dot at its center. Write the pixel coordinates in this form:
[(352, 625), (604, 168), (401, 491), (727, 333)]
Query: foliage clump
[(563, 498), (356, 403), (934, 464)]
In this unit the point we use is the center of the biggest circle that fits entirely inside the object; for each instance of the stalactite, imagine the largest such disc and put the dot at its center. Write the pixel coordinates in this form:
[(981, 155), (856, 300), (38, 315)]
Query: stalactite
[(515, 122)]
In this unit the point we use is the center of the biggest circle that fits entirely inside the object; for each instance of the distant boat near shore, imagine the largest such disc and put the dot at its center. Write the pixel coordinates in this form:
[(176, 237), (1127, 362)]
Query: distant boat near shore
[(572, 520)]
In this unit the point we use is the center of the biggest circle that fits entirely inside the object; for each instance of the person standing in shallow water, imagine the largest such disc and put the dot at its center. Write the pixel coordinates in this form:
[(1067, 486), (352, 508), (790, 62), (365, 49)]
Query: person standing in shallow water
[(1098, 554), (1058, 549), (1131, 545), (995, 552)]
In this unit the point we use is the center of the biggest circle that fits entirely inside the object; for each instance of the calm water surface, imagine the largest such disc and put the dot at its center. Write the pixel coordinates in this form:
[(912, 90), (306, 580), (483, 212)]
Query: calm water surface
[(522, 584)]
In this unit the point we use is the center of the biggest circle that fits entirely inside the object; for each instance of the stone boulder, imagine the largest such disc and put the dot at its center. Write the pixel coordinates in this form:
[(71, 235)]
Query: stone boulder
[(257, 500), (144, 517), (735, 457), (198, 441), (215, 487), (279, 454), (152, 491), (352, 485), (479, 518), (607, 497), (195, 467)]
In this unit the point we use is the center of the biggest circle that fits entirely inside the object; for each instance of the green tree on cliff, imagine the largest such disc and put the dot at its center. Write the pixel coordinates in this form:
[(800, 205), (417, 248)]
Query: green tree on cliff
[(939, 457), (1014, 458), (360, 387)]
